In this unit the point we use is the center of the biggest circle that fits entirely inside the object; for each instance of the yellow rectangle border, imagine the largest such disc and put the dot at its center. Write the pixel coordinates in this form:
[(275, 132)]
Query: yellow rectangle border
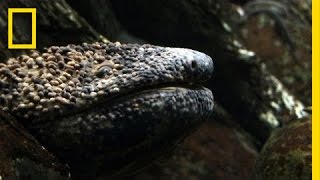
[(33, 12), (315, 89)]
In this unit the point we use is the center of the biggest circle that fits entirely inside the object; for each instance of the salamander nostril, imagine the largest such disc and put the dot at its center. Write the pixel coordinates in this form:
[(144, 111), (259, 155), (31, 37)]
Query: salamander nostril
[(194, 64)]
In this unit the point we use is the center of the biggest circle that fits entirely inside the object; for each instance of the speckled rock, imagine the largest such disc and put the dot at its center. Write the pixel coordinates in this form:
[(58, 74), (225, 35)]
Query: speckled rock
[(287, 154)]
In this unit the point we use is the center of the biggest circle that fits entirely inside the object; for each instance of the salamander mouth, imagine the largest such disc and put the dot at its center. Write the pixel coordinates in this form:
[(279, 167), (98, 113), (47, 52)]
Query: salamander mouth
[(71, 112), (127, 96), (130, 128), (155, 100), (147, 89), (187, 96)]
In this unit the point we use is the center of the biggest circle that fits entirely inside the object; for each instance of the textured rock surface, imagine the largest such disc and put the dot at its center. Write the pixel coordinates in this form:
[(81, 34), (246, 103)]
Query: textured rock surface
[(287, 154)]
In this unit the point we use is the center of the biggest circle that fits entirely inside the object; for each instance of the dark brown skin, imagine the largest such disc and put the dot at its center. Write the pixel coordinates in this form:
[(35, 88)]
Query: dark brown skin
[(102, 107)]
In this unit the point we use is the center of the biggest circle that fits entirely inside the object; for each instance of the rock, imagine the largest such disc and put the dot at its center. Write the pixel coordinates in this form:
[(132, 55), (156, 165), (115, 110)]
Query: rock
[(21, 156), (287, 153), (283, 42)]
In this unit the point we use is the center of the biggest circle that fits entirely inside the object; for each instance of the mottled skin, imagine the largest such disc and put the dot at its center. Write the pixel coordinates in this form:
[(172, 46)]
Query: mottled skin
[(102, 108)]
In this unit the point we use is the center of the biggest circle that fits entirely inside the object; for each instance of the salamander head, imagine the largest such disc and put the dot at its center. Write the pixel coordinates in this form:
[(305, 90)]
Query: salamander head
[(108, 104)]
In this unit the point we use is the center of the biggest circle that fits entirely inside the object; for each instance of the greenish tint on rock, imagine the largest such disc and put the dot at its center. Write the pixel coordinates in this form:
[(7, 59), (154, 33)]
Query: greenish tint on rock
[(287, 154)]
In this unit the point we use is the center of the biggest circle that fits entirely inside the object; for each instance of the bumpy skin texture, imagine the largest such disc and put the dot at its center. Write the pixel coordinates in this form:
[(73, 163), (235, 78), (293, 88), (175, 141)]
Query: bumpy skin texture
[(103, 107)]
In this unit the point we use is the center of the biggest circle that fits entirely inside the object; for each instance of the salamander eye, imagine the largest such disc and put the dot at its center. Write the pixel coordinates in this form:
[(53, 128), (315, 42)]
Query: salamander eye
[(103, 71)]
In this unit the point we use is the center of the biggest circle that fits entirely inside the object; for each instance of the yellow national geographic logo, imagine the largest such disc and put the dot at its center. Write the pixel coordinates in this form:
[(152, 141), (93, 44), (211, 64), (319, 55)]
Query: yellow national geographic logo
[(33, 12)]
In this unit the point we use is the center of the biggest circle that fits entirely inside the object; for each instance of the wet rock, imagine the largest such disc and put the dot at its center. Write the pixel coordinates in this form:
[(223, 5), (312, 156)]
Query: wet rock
[(287, 153)]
